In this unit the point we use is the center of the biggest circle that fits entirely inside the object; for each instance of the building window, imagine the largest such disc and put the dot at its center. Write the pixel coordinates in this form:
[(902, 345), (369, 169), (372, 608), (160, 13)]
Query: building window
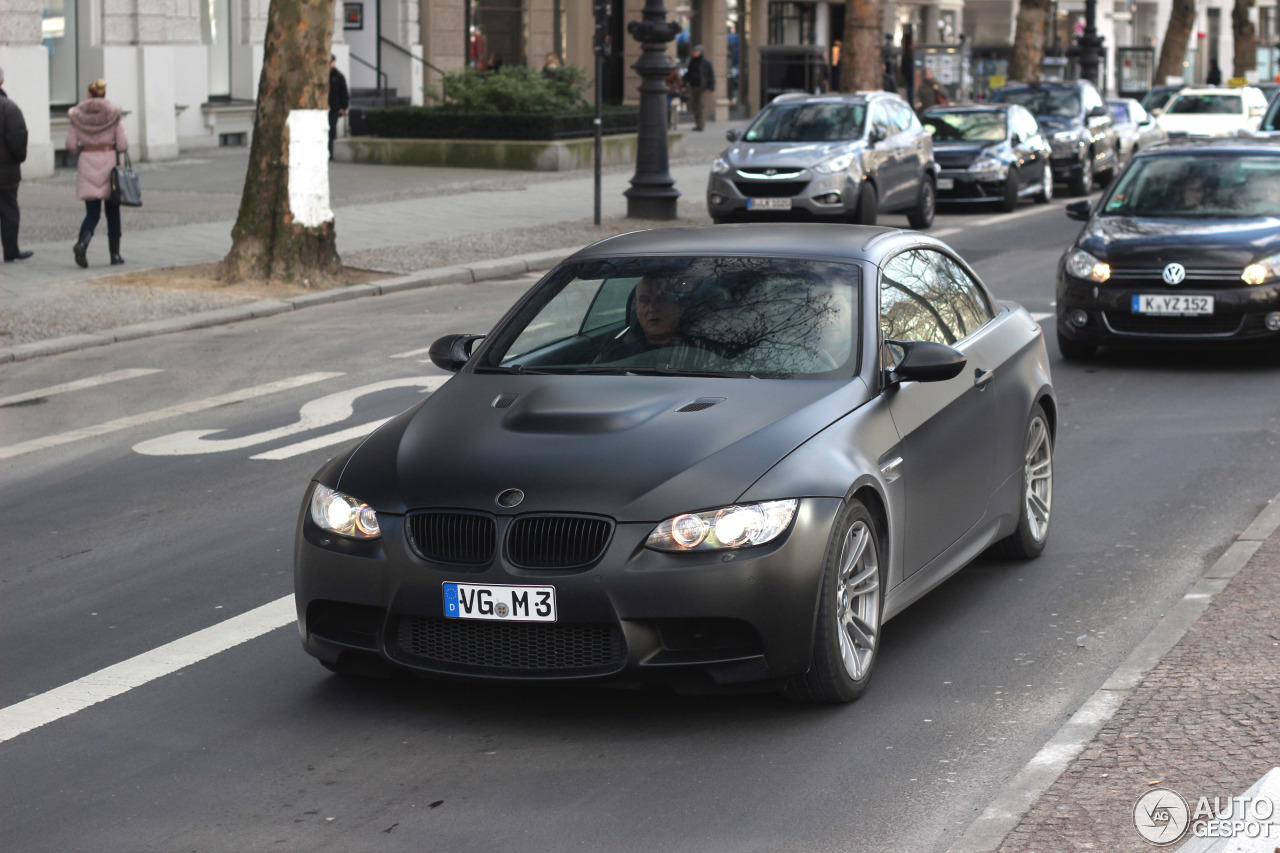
[(496, 33), (59, 37), (792, 23), (215, 26)]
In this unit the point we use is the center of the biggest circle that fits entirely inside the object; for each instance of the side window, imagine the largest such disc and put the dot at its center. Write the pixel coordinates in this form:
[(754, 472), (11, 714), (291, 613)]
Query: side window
[(566, 310), (900, 117), (880, 119), (909, 290), (610, 304), (966, 301)]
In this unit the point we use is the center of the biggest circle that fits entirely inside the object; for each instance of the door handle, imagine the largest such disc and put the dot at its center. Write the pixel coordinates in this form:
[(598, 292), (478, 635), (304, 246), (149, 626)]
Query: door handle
[(982, 377)]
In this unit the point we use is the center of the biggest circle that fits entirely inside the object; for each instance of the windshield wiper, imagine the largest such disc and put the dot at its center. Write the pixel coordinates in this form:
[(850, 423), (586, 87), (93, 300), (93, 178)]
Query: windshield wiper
[(509, 368), (661, 370)]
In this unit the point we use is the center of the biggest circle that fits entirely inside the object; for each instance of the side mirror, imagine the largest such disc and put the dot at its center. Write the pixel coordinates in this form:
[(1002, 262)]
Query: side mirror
[(452, 351), (732, 135), (1079, 210), (876, 135), (925, 361), (1016, 139), (1099, 112)]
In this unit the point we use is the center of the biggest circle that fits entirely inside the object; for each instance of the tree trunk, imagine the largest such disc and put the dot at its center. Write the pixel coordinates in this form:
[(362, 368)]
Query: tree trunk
[(861, 66), (272, 240), (1246, 42), (1174, 49), (1028, 41)]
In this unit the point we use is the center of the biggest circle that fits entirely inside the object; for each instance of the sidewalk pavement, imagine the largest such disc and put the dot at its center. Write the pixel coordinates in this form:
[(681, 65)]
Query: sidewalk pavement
[(1196, 708)]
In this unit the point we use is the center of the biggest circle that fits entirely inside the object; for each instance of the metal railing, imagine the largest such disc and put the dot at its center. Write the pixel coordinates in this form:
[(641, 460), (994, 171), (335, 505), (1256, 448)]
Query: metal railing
[(384, 40), (383, 80)]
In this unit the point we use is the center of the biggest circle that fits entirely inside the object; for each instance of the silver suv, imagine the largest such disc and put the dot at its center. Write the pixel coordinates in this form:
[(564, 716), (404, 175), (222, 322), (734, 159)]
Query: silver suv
[(840, 155)]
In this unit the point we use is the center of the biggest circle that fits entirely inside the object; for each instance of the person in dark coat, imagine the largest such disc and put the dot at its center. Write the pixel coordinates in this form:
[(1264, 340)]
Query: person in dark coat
[(13, 150), (339, 100), (700, 77), (1214, 77)]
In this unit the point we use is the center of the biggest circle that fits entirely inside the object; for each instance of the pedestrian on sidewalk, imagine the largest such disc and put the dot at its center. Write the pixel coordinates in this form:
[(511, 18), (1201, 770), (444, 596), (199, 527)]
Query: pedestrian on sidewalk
[(339, 100), (97, 135), (700, 77), (931, 93), (13, 150)]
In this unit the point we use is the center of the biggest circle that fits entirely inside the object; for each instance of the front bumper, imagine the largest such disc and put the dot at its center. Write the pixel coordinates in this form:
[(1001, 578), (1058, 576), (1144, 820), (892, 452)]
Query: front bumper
[(971, 186), (733, 194), (1239, 313), (698, 619)]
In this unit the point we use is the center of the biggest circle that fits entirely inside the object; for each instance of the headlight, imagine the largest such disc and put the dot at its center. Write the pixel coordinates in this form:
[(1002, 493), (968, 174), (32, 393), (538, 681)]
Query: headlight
[(343, 514), (739, 526), (1081, 264), (1261, 271), (1064, 136), (987, 163), (835, 164), (721, 166)]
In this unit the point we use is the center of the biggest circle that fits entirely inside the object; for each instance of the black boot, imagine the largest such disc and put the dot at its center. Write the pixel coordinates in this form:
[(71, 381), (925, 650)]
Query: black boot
[(82, 246), (113, 243)]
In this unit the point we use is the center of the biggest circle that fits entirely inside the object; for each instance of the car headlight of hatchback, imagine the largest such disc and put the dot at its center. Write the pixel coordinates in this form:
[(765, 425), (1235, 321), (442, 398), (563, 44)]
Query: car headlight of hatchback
[(342, 514), (987, 163), (1081, 264), (1260, 272), (720, 166), (737, 526), (834, 164)]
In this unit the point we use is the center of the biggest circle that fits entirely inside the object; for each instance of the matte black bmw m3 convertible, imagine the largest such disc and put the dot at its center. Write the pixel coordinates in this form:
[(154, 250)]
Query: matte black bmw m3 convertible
[(705, 456)]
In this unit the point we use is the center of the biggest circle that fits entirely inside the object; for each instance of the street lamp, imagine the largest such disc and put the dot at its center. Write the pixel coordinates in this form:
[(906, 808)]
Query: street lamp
[(1090, 44), (653, 192)]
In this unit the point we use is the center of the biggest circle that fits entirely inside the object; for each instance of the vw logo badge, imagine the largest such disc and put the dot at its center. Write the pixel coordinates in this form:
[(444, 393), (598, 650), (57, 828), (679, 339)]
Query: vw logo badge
[(510, 498), (1174, 274)]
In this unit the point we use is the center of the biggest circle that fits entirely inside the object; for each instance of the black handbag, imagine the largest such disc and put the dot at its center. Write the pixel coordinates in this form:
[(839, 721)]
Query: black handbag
[(125, 189)]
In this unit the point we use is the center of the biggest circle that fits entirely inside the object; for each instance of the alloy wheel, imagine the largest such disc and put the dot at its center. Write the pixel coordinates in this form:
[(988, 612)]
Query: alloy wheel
[(1039, 479), (858, 600)]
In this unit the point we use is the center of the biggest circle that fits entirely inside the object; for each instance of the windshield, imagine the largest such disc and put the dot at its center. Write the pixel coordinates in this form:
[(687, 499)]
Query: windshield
[(761, 317), (1206, 104), (1063, 103), (966, 127), (808, 122), (1216, 187)]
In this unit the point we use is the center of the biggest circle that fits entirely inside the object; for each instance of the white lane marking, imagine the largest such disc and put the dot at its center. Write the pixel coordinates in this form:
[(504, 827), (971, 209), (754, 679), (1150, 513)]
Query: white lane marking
[(946, 232), (80, 384), (1041, 316), (322, 412), (291, 450), (45, 442), (410, 353), (120, 678)]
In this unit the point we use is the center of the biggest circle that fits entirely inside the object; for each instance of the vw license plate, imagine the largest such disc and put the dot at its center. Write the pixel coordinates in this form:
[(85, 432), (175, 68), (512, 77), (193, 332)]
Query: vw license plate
[(768, 204), (946, 183), (1181, 306), (500, 602)]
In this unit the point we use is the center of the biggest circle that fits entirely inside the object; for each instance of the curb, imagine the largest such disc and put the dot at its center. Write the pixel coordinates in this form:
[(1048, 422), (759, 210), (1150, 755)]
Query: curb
[(1006, 811), (460, 274)]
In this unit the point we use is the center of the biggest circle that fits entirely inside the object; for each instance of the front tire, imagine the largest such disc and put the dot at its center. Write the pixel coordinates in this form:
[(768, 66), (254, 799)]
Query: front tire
[(920, 217), (1012, 184), (1046, 186), (867, 201), (1029, 537), (1082, 181), (846, 639)]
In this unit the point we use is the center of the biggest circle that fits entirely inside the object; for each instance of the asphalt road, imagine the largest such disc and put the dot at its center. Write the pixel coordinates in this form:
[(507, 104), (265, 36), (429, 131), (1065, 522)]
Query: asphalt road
[(112, 552)]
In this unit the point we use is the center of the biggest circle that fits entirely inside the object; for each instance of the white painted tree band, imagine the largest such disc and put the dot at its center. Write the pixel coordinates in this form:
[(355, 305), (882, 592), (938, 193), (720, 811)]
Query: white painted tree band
[(309, 167)]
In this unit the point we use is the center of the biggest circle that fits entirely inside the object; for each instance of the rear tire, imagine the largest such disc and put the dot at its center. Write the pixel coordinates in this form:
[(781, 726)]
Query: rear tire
[(846, 640), (1029, 537), (920, 217), (1012, 184)]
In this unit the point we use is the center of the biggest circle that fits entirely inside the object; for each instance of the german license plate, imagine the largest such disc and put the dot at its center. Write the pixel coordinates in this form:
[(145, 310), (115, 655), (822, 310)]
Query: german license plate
[(946, 183), (768, 204), (1181, 306), (500, 602)]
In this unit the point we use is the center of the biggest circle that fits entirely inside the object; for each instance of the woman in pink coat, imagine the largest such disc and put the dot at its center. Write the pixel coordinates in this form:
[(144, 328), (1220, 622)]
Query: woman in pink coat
[(97, 136)]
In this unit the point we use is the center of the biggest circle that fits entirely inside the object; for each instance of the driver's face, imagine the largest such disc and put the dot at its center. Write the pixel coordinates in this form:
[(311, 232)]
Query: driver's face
[(659, 317)]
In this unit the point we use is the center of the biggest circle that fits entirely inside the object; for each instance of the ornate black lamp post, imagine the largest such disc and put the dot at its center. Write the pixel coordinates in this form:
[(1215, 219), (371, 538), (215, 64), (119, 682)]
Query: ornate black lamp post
[(653, 194), (1090, 44)]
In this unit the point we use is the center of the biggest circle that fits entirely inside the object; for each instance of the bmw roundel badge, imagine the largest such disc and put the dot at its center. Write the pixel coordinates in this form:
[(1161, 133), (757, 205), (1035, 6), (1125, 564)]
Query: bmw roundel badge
[(510, 498)]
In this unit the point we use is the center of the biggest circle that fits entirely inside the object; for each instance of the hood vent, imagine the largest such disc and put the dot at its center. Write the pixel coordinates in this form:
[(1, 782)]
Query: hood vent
[(701, 403), (502, 401)]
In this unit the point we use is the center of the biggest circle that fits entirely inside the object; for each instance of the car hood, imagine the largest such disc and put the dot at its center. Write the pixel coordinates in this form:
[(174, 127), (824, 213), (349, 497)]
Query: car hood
[(959, 155), (1134, 242), (799, 154), (609, 445)]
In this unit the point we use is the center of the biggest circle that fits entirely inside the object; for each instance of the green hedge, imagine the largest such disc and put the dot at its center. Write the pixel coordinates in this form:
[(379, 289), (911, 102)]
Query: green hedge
[(444, 123)]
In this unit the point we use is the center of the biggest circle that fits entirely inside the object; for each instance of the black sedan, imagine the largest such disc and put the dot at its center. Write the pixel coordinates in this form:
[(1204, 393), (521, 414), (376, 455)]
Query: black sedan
[(707, 457), (991, 153), (1184, 248)]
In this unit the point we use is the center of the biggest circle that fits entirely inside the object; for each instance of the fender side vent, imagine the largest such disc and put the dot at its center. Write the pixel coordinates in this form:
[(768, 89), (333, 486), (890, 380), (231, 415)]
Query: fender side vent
[(699, 404)]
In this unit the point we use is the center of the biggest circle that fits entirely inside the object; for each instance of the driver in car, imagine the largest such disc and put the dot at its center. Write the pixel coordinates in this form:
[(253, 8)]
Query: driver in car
[(657, 310)]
